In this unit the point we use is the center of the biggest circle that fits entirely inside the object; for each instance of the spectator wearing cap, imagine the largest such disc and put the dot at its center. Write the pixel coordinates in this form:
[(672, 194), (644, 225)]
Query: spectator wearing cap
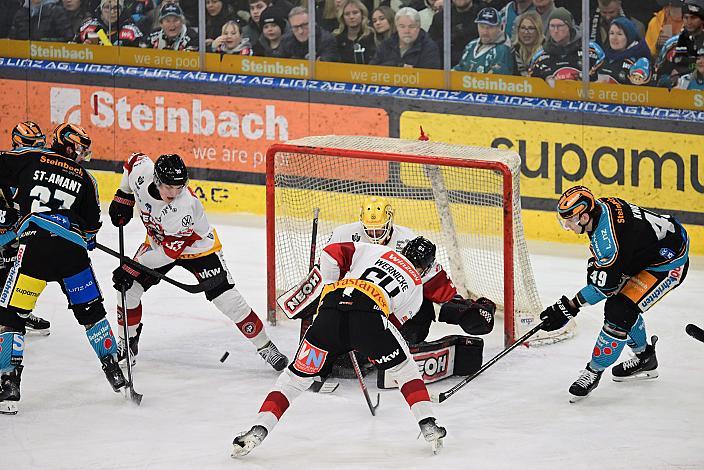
[(273, 28), (354, 37), (106, 28), (231, 41), (253, 28), (527, 41), (695, 79), (294, 45), (409, 46), (601, 21), (627, 58), (561, 56), (666, 23), (462, 27), (489, 52), (173, 33), (511, 12), (217, 13), (678, 55), (41, 20)]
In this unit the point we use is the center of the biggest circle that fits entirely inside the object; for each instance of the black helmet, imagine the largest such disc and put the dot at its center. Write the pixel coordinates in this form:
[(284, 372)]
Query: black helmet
[(421, 252), (694, 7), (71, 141), (170, 169), (27, 134)]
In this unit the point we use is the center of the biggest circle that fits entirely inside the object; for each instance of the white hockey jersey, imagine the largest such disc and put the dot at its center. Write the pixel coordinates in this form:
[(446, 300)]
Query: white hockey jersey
[(437, 286), (175, 230), (391, 274)]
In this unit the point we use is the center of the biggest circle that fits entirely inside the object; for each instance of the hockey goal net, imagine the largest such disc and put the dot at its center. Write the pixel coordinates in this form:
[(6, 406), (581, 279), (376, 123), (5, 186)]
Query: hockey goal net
[(465, 199)]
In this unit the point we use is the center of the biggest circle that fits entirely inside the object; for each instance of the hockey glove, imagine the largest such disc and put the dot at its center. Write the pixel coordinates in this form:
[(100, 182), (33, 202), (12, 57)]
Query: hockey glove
[(124, 276), (121, 208), (556, 316), (476, 317)]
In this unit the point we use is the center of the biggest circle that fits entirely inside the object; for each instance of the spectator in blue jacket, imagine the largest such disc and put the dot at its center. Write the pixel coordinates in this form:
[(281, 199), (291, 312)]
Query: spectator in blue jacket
[(627, 56), (694, 80), (489, 53), (409, 46)]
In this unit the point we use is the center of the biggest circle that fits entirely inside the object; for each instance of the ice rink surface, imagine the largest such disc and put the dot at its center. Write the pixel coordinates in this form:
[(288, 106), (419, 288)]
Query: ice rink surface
[(514, 416)]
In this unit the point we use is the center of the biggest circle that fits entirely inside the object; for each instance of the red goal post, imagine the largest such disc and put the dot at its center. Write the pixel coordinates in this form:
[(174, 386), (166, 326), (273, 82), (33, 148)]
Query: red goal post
[(465, 199)]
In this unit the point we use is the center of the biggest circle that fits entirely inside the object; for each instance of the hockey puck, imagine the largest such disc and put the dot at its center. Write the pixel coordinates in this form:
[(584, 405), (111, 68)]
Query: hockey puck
[(224, 356)]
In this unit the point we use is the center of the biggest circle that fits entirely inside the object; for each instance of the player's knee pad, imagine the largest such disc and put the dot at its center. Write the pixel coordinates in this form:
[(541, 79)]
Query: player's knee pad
[(89, 313), (404, 372), (82, 288), (232, 304), (11, 350), (21, 291), (620, 312)]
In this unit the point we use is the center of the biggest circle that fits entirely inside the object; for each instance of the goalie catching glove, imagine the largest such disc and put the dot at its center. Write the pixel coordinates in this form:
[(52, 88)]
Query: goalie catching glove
[(556, 316), (476, 317)]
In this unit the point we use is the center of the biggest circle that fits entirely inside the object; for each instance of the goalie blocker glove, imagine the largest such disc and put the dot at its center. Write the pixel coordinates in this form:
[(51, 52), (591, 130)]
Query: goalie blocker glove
[(121, 208), (557, 315)]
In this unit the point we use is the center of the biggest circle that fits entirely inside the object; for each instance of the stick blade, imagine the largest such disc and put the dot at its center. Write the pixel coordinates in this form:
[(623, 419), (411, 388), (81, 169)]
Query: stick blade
[(695, 332)]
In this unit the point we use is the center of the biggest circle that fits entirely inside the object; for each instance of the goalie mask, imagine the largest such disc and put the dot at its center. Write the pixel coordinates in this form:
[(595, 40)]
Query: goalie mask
[(27, 134), (421, 252), (573, 203), (377, 218)]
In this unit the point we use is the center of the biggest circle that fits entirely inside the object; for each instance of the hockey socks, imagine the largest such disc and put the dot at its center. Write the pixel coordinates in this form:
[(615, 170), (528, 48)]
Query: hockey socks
[(253, 329), (413, 389), (637, 338), (608, 348), (101, 339), (286, 389), (11, 350)]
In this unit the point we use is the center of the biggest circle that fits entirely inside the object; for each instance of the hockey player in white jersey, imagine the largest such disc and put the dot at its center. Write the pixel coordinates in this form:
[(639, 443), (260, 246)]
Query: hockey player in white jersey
[(369, 292), (178, 234), (376, 225)]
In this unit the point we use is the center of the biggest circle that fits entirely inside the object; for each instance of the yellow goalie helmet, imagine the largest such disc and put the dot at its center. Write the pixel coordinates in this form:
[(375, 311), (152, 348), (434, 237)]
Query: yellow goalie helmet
[(377, 218)]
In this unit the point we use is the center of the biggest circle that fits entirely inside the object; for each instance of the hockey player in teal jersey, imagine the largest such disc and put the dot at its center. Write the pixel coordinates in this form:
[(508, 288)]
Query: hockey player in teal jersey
[(639, 256)]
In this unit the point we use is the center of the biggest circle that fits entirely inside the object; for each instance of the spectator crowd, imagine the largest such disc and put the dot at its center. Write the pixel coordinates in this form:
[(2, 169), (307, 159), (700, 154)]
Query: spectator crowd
[(635, 42)]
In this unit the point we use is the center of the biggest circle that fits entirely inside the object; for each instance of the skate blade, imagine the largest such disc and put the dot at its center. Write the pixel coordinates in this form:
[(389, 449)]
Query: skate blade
[(645, 375), (31, 332), (576, 398), (436, 446), (239, 451), (9, 408)]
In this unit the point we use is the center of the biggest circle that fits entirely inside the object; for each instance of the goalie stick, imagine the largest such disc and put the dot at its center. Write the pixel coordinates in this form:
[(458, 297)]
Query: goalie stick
[(307, 321), (133, 395), (191, 288), (448, 393), (695, 332)]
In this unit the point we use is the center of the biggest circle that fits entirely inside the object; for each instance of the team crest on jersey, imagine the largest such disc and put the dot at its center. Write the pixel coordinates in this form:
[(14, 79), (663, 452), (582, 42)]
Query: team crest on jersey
[(187, 221), (140, 181), (356, 237), (667, 253), (148, 207), (309, 359)]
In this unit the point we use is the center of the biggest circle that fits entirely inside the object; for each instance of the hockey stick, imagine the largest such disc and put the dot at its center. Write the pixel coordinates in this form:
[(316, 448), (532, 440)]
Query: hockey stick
[(192, 288), (363, 385), (448, 393), (695, 332), (133, 395), (307, 321)]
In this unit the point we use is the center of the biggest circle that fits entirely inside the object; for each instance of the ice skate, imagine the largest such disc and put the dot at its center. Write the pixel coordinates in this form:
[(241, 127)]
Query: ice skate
[(134, 347), (586, 382), (10, 391), (270, 353), (245, 442), (113, 373), (38, 326), (642, 366), (432, 433)]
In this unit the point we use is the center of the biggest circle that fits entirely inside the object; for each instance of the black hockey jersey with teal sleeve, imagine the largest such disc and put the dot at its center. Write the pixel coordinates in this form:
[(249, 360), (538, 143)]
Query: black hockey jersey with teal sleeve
[(53, 192), (628, 239)]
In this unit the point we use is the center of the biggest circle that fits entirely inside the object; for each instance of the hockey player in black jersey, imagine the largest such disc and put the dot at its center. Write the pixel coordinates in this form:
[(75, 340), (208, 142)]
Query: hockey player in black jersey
[(638, 258), (59, 218), (24, 134)]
